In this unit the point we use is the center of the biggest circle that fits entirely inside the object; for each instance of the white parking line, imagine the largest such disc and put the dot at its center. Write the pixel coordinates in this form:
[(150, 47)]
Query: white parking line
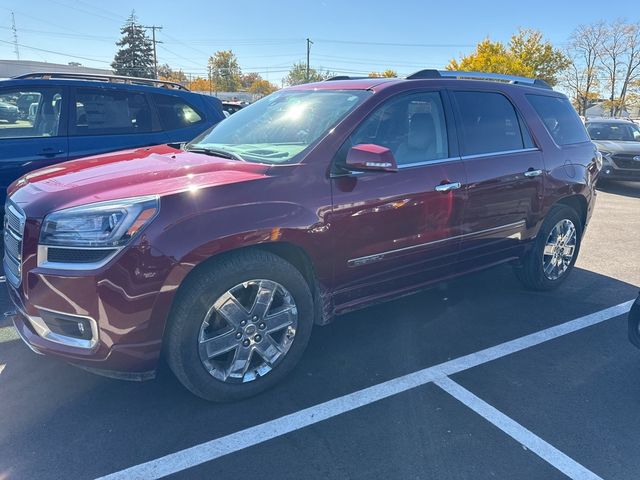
[(544, 450), (211, 450)]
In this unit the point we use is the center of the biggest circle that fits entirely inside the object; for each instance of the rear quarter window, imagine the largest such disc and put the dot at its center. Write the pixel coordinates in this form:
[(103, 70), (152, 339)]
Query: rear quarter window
[(175, 113), (560, 119)]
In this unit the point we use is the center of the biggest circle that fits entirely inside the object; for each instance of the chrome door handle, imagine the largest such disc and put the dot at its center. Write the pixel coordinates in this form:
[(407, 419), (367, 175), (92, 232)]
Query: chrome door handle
[(533, 173), (446, 187)]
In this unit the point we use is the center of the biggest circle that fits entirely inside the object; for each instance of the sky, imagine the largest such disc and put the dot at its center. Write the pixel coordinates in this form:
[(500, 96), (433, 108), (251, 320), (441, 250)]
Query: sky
[(349, 37)]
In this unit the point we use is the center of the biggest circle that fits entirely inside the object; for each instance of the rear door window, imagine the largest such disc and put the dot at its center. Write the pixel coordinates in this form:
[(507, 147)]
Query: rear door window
[(111, 112), (489, 123), (560, 119), (174, 112)]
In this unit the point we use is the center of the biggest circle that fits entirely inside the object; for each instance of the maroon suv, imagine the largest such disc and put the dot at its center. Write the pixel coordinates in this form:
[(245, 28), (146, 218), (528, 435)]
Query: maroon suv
[(221, 255)]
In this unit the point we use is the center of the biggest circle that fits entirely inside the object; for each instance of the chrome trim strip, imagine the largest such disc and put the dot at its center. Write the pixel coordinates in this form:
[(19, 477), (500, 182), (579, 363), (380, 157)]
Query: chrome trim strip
[(355, 262), (43, 331), (495, 154)]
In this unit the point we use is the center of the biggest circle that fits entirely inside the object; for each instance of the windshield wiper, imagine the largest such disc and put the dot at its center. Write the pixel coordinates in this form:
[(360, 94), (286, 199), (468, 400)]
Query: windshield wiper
[(216, 152)]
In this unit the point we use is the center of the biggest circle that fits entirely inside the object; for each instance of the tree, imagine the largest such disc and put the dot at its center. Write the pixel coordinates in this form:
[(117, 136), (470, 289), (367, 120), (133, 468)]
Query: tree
[(491, 57), (135, 55), (248, 79), (165, 72), (527, 55), (199, 84), (225, 71), (298, 74), (539, 55), (388, 73), (262, 87), (611, 60), (584, 52), (631, 69)]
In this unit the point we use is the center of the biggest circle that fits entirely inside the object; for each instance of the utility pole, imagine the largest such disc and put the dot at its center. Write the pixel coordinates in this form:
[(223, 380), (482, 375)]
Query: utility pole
[(153, 29), (210, 80), (309, 43), (15, 36)]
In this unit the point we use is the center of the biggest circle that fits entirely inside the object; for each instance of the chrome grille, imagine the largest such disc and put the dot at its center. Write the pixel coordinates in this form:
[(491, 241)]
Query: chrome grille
[(13, 231)]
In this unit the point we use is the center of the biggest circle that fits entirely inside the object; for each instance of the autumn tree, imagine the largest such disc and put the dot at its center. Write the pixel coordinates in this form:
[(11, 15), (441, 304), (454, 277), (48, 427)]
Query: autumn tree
[(225, 71), (388, 73), (545, 61), (262, 87), (491, 57), (248, 79), (135, 55), (165, 72), (199, 84), (527, 54), (298, 74)]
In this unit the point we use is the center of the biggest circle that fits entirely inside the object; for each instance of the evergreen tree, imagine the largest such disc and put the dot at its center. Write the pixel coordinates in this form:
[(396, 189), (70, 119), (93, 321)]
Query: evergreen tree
[(135, 56)]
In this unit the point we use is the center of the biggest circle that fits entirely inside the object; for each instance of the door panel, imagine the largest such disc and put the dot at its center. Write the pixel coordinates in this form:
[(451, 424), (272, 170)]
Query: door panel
[(394, 231), (505, 177), (503, 204), (34, 134)]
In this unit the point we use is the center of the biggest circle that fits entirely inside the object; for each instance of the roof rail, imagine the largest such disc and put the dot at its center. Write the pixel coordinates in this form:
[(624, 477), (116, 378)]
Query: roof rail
[(432, 73), (343, 77), (97, 77)]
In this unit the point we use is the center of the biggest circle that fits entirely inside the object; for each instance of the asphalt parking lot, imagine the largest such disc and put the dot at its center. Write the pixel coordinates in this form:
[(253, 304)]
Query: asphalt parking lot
[(394, 391)]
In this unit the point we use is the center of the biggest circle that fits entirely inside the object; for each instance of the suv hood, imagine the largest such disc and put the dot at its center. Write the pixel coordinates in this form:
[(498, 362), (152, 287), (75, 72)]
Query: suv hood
[(160, 170), (617, 147)]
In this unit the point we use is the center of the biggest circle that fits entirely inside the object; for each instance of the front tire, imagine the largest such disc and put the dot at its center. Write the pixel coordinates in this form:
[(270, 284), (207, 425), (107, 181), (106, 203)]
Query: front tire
[(554, 252), (239, 326)]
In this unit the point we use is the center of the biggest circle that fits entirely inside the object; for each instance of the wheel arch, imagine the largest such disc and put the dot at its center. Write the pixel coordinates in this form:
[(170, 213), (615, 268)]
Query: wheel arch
[(579, 204), (181, 274)]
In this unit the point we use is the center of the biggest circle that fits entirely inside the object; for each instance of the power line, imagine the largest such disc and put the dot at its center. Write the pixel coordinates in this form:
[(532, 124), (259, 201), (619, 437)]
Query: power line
[(54, 52)]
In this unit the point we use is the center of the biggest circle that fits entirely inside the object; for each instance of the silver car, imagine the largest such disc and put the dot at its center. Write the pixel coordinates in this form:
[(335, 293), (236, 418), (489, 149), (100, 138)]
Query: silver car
[(619, 142)]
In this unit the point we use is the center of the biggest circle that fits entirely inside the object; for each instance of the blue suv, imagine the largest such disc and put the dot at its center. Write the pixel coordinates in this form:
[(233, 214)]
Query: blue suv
[(48, 118)]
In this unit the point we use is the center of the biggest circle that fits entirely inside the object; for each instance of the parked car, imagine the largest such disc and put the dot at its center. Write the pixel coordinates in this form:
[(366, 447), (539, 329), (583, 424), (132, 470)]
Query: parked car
[(8, 112), (314, 201), (232, 107), (58, 117), (618, 140)]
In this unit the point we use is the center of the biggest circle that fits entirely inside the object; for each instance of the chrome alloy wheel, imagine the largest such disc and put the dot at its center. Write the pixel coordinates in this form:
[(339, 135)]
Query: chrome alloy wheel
[(248, 331), (559, 249)]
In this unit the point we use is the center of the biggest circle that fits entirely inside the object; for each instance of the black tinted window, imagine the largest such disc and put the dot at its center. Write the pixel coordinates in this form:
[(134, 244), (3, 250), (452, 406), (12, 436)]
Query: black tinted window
[(560, 119), (111, 112), (489, 123), (175, 113), (413, 127)]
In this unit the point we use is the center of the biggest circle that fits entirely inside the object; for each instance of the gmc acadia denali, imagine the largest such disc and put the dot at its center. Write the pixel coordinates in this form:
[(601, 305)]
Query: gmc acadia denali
[(220, 255)]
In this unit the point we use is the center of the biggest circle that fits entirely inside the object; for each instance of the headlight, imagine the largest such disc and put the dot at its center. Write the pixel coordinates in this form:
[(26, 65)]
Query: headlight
[(105, 224)]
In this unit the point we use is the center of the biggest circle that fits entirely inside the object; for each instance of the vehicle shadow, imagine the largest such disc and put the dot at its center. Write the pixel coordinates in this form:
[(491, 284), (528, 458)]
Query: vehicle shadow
[(627, 189), (52, 408)]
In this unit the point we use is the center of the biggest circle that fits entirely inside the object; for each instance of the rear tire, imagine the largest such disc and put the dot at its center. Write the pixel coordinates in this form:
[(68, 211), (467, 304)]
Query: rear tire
[(222, 340), (547, 264)]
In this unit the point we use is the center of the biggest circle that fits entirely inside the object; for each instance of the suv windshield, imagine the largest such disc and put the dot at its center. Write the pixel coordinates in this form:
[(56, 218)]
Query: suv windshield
[(278, 128), (617, 132)]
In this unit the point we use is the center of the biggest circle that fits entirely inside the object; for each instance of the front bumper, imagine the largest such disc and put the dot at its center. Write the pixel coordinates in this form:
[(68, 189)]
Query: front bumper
[(612, 172), (122, 329)]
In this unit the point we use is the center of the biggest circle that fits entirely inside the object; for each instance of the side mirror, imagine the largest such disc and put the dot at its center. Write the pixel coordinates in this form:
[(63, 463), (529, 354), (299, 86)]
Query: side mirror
[(371, 158)]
